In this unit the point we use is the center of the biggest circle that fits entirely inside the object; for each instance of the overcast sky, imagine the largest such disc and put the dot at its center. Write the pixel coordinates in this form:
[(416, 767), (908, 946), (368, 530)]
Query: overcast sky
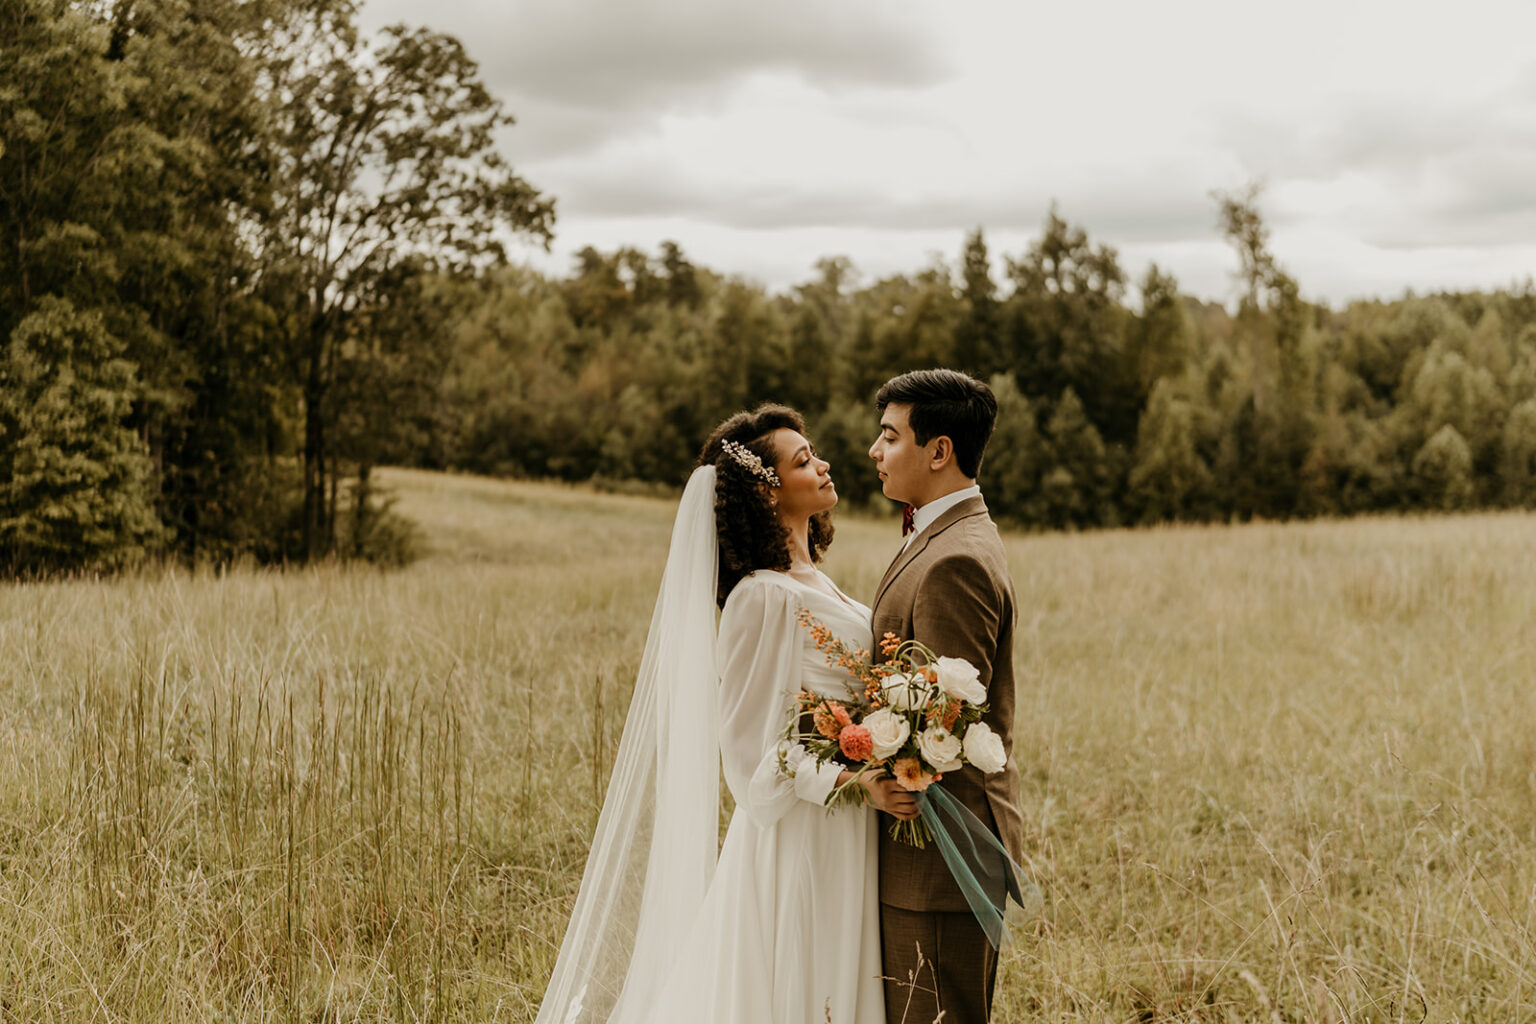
[(1397, 141)]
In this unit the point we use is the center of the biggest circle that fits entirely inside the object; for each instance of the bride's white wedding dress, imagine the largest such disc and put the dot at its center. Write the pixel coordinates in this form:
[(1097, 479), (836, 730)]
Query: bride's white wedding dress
[(790, 926), (780, 925)]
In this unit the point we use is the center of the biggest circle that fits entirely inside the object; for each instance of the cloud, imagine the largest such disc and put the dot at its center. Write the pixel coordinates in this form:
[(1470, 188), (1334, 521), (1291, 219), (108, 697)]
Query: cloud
[(767, 135), (641, 54), (1438, 173), (545, 131), (1481, 198), (579, 72), (1374, 137), (1149, 207)]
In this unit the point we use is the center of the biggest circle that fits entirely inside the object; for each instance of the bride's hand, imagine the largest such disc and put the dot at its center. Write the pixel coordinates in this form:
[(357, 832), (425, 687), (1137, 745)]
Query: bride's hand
[(889, 797)]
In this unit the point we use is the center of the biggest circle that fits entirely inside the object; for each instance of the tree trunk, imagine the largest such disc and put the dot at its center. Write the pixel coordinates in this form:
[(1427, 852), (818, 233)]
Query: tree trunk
[(314, 470), (319, 534), (361, 499), (330, 517)]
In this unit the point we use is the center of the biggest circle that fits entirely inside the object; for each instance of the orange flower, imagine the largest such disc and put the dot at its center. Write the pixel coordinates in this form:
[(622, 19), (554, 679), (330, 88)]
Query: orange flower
[(888, 644), (910, 775), (944, 715), (831, 718), (856, 743)]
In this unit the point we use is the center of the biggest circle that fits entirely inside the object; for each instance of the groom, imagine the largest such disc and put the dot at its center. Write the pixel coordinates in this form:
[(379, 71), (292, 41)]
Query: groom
[(948, 588)]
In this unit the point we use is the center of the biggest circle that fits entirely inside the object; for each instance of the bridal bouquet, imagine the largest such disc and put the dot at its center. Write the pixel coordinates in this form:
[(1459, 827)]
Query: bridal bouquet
[(913, 716)]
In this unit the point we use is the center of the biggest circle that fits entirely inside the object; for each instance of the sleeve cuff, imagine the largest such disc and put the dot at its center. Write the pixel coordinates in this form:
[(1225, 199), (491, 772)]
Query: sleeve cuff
[(815, 782)]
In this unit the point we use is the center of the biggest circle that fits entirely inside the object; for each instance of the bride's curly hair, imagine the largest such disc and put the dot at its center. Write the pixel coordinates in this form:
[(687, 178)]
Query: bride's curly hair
[(750, 534)]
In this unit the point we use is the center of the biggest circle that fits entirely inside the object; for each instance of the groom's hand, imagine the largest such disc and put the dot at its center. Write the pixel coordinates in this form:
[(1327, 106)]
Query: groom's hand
[(889, 797)]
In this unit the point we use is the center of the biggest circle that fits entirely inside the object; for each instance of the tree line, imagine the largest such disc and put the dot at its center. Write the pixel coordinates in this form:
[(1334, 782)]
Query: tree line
[(1113, 411), (247, 255)]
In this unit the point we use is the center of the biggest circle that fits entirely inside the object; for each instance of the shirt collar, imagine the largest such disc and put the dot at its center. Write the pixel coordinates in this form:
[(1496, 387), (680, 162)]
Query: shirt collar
[(925, 516)]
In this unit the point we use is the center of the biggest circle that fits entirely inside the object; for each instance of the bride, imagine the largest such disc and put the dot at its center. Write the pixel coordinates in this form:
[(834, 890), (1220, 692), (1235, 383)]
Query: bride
[(783, 926)]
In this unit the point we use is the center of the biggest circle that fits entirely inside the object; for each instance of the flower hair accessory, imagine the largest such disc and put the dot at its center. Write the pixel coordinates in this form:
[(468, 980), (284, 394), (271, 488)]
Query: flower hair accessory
[(748, 460)]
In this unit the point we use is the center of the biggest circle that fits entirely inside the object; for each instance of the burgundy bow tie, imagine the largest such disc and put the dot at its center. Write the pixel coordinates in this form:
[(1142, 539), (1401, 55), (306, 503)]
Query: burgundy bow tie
[(906, 519)]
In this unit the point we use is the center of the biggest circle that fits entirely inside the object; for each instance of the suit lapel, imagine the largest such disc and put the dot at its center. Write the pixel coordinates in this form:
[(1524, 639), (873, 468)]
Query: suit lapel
[(899, 563), (965, 509)]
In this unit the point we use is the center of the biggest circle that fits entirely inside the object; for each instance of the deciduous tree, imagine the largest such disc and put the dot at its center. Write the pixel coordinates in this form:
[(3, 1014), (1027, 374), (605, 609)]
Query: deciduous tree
[(385, 153)]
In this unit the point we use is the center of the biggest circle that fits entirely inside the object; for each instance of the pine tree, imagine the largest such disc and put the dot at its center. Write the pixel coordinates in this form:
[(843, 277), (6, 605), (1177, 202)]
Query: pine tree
[(1077, 484)]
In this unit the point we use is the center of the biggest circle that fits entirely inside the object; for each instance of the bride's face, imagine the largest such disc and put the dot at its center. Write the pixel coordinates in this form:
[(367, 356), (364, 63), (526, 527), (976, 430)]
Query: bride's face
[(805, 485)]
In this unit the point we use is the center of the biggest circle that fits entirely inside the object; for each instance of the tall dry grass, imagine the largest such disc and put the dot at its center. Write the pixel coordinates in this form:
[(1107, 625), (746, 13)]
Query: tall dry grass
[(1273, 773)]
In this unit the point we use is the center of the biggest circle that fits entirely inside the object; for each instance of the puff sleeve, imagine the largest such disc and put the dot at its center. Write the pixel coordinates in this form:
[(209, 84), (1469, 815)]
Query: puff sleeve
[(760, 657)]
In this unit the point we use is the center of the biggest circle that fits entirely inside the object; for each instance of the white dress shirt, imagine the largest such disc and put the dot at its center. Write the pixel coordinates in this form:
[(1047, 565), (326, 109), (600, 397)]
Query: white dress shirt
[(923, 517)]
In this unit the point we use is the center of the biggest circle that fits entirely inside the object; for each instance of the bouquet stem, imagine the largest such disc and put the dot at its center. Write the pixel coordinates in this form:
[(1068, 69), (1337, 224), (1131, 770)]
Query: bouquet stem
[(913, 833)]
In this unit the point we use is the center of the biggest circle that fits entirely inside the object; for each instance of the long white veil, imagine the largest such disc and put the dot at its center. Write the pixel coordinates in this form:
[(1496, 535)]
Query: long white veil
[(654, 851)]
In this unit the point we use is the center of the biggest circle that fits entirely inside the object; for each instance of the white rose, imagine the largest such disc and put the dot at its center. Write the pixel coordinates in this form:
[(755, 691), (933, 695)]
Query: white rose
[(961, 680), (984, 748), (905, 692), (888, 730), (941, 749)]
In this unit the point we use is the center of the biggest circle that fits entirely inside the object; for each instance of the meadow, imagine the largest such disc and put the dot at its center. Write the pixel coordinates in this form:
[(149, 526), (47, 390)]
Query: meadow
[(1271, 772)]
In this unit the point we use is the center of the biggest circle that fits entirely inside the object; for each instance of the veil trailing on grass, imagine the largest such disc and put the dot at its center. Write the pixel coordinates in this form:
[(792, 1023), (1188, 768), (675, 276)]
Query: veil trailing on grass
[(654, 851)]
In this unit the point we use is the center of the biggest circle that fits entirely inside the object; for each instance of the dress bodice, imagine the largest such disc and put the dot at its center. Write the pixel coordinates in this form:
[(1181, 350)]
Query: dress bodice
[(849, 622)]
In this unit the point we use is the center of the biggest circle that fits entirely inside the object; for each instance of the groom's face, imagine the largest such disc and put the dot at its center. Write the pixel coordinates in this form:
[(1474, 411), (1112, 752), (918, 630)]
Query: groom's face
[(902, 462)]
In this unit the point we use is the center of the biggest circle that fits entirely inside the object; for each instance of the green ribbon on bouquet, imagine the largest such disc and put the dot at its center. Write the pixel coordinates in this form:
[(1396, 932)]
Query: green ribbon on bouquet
[(998, 891)]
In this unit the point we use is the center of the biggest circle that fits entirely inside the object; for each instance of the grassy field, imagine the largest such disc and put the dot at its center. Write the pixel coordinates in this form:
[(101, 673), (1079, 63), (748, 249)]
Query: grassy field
[(1271, 773)]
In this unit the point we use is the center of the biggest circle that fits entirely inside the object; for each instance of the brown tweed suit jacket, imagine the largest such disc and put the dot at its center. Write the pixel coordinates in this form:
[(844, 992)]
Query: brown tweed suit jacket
[(950, 589)]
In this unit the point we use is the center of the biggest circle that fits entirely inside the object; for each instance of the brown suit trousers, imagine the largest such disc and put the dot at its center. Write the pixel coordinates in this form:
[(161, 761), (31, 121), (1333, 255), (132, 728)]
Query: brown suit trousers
[(950, 589)]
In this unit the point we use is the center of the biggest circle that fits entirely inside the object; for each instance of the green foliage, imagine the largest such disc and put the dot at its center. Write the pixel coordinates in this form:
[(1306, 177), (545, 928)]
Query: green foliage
[(1076, 485), (1169, 476), (257, 205), (979, 348), (1443, 470), (74, 481), (1517, 472), (372, 531), (1161, 338), (1067, 327), (1350, 467), (1017, 457), (1281, 410)]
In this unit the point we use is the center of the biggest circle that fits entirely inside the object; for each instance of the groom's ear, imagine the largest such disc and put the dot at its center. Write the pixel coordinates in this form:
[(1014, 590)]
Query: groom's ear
[(943, 453)]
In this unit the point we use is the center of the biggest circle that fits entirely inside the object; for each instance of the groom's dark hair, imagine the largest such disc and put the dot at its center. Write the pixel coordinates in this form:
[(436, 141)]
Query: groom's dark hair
[(946, 403)]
